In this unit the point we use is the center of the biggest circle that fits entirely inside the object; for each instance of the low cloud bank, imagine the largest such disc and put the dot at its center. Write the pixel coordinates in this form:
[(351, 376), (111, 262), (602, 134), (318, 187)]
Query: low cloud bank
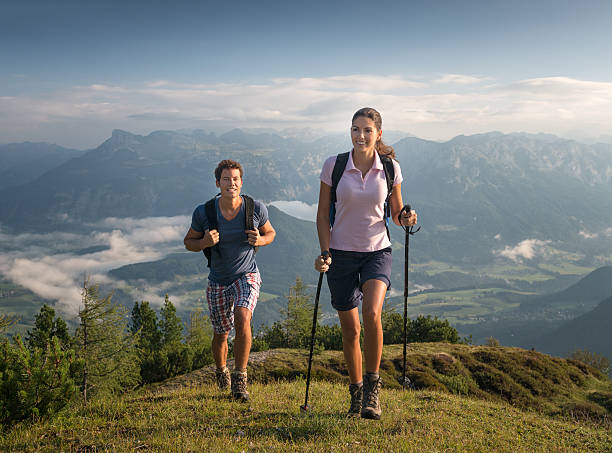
[(40, 263), (527, 249)]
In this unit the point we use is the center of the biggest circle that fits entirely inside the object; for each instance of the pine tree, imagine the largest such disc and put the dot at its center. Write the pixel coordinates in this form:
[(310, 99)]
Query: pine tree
[(170, 324), (175, 354), (144, 321), (298, 316), (34, 382), (199, 339), (47, 326), (5, 322), (108, 352), (144, 324)]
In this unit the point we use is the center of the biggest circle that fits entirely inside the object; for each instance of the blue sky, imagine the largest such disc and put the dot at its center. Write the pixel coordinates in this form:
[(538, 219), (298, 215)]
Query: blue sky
[(70, 72)]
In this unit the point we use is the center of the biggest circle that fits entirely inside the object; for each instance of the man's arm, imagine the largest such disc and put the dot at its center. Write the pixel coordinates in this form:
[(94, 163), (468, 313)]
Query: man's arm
[(196, 241), (262, 235)]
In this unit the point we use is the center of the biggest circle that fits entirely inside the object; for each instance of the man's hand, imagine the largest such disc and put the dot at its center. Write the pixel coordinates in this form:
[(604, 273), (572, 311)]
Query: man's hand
[(211, 238), (254, 237)]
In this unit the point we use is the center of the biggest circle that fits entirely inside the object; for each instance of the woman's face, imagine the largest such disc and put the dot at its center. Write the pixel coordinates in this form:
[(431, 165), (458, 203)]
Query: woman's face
[(364, 134)]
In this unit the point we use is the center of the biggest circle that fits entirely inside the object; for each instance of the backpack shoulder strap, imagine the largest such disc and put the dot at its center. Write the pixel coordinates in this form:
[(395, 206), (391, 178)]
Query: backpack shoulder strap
[(339, 166), (389, 173), (389, 177), (249, 212), (210, 209)]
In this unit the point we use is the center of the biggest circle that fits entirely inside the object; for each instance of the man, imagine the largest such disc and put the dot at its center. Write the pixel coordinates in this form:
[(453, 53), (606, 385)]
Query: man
[(233, 281)]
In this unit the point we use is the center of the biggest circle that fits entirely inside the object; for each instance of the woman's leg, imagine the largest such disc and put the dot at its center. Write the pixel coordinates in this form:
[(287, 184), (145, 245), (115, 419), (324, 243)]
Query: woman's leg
[(351, 328), (373, 298)]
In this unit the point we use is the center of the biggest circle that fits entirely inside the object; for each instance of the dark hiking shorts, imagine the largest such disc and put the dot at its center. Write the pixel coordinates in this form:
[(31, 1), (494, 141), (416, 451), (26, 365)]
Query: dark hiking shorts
[(350, 270)]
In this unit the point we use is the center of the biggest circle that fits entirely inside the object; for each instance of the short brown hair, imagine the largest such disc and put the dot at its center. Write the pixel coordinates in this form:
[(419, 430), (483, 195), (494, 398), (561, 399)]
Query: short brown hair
[(227, 164)]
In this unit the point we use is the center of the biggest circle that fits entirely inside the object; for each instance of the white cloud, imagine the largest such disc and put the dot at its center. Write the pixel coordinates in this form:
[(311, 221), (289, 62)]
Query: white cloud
[(460, 79), (527, 249), (437, 108), (587, 235), (297, 209), (58, 275)]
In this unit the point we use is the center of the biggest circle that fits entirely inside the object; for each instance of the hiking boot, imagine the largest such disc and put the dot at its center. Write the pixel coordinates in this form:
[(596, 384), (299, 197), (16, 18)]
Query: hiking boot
[(356, 392), (223, 378), (371, 406), (239, 386)]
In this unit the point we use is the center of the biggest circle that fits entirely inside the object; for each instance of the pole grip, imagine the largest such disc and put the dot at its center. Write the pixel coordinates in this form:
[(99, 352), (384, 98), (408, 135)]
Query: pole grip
[(406, 208)]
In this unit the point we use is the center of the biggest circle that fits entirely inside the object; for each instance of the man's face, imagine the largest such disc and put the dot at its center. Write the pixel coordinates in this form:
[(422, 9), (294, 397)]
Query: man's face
[(230, 183)]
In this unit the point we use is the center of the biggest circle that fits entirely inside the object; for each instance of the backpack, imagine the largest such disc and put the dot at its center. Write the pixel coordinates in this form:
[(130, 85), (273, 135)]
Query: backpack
[(211, 215), (340, 165)]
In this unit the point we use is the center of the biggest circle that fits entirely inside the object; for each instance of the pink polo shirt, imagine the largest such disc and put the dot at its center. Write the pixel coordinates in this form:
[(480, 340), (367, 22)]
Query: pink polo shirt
[(360, 225)]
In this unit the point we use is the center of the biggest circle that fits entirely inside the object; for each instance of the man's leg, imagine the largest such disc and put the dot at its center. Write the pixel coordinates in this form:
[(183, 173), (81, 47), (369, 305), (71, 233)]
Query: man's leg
[(246, 294), (222, 324), (219, 349), (242, 342)]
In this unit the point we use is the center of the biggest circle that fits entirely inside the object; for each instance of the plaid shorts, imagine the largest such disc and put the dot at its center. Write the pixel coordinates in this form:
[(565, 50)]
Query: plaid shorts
[(222, 299)]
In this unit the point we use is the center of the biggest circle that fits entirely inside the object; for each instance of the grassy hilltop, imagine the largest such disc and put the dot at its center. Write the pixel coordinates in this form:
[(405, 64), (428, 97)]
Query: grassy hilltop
[(468, 398)]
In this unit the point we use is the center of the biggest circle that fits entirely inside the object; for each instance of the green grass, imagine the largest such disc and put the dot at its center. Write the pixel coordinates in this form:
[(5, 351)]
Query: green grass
[(468, 399), (201, 419)]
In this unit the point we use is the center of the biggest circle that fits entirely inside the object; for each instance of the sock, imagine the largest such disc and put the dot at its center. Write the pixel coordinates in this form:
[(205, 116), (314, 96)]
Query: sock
[(240, 370), (222, 369), (372, 375)]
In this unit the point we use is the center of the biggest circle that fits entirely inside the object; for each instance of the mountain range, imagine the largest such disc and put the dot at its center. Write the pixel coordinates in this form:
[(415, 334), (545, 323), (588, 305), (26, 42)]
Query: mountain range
[(475, 195), (520, 212)]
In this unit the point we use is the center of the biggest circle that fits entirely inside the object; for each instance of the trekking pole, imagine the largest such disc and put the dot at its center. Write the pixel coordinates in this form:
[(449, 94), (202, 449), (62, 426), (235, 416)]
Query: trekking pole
[(409, 232), (305, 407)]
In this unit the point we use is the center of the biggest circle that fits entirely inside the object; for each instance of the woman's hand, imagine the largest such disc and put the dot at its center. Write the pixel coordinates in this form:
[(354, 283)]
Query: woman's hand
[(322, 262), (408, 218)]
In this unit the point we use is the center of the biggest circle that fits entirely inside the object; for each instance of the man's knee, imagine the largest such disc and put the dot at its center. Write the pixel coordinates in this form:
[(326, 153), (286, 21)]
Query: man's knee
[(242, 320), (219, 338)]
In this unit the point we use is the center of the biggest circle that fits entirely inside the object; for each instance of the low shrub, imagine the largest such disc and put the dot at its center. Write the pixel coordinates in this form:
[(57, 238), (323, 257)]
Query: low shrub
[(458, 384), (423, 380)]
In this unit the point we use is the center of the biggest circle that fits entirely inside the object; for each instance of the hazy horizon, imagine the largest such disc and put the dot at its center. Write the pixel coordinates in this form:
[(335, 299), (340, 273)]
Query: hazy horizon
[(73, 72)]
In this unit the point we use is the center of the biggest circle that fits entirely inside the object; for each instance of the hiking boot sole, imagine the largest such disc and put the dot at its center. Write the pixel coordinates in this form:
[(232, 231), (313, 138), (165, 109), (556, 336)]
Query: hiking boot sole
[(241, 397), (371, 415)]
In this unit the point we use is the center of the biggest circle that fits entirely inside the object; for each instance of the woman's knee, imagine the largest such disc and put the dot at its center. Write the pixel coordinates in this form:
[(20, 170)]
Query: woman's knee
[(371, 317)]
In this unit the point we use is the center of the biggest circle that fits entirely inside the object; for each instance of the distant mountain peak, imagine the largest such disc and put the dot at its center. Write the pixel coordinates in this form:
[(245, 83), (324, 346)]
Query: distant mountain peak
[(121, 137)]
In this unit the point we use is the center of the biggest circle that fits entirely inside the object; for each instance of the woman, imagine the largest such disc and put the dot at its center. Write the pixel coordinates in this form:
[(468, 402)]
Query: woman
[(356, 252)]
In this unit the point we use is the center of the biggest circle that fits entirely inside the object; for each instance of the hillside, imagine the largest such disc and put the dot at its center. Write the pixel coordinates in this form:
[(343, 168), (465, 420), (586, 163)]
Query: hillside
[(590, 331), (189, 414), (21, 163), (581, 296), (533, 317), (523, 378)]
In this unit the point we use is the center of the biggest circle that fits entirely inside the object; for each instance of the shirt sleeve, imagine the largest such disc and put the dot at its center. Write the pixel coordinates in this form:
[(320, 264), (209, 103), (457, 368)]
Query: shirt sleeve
[(199, 221), (398, 173), (328, 168), (260, 212)]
